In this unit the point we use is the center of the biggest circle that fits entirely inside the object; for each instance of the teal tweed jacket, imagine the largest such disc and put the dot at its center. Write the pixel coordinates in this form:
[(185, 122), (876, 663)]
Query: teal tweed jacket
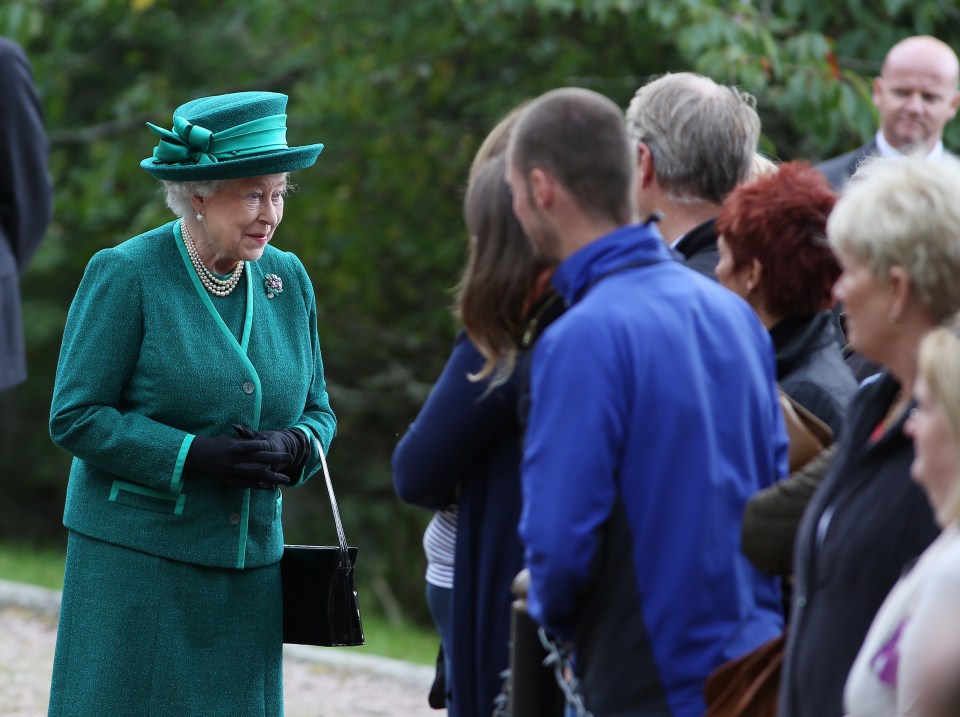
[(148, 363)]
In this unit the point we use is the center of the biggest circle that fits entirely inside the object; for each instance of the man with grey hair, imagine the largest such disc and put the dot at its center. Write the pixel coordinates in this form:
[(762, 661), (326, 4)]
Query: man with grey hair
[(916, 96), (695, 141)]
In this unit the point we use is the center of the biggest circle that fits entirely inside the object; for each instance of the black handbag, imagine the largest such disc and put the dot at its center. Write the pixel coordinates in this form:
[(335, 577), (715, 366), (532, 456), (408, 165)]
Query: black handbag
[(320, 605)]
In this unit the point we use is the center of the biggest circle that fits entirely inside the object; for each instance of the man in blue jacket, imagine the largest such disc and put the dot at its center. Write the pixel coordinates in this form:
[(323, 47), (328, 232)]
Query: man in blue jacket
[(654, 417)]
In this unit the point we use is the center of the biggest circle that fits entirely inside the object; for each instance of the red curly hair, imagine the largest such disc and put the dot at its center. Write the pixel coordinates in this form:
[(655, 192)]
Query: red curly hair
[(781, 220)]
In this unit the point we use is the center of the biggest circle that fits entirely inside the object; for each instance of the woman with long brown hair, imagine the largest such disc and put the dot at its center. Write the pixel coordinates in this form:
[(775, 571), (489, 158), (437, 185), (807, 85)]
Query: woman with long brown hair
[(464, 448)]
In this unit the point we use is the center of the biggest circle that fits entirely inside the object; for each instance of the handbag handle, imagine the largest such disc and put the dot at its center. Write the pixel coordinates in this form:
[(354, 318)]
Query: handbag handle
[(333, 504)]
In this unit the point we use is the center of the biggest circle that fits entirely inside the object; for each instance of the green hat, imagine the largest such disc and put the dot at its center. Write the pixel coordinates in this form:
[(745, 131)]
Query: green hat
[(242, 134)]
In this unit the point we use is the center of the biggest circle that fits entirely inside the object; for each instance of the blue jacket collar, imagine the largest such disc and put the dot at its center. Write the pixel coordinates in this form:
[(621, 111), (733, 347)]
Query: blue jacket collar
[(630, 244)]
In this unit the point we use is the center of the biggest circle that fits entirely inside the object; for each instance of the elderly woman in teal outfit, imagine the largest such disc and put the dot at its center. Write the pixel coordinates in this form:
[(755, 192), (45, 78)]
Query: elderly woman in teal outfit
[(190, 389)]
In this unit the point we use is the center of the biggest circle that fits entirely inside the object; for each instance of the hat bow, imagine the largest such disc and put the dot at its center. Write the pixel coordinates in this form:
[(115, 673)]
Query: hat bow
[(192, 144)]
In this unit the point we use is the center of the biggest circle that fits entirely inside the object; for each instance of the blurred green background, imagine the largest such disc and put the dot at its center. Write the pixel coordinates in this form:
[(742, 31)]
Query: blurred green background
[(401, 93)]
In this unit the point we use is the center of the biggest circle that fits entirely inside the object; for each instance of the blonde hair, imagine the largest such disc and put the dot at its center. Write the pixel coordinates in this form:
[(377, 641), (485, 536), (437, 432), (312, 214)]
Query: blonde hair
[(904, 212), (761, 166), (939, 367)]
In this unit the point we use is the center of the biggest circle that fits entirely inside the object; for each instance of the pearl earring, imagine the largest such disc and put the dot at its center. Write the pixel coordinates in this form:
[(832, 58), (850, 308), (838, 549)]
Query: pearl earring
[(199, 217)]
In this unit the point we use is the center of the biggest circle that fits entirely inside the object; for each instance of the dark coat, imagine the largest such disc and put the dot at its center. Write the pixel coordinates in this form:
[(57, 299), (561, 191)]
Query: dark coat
[(26, 199), (465, 447), (811, 369), (838, 170), (865, 523), (699, 248)]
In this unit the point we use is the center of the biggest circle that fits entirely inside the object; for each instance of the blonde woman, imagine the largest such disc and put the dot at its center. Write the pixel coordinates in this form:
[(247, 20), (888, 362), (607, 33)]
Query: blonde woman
[(911, 655), (895, 231), (464, 445)]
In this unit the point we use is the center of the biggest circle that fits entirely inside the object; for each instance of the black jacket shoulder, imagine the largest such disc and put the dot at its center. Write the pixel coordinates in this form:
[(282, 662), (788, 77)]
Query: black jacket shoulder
[(838, 170)]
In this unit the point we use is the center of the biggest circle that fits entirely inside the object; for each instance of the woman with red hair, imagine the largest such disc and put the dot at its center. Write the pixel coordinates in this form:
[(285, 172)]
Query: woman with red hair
[(774, 253)]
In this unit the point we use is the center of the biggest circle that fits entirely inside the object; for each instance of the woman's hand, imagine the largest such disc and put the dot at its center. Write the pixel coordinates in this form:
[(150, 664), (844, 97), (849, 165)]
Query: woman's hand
[(291, 442), (237, 462)]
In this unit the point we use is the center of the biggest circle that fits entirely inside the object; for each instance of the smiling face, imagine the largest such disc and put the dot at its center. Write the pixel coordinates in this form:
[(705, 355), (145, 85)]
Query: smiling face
[(916, 93), (936, 464), (239, 220)]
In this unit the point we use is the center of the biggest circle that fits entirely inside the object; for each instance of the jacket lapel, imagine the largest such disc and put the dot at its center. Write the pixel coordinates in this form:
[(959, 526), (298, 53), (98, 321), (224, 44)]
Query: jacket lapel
[(239, 346)]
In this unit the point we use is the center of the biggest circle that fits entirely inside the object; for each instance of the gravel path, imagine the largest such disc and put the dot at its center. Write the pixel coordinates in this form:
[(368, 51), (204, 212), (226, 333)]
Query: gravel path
[(318, 682)]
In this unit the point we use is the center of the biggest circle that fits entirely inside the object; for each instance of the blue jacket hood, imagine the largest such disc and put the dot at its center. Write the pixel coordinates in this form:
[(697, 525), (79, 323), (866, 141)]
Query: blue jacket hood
[(631, 244)]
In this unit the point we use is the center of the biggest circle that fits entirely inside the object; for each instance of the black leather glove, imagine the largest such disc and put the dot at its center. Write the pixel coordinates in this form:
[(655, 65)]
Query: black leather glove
[(290, 441), (236, 462)]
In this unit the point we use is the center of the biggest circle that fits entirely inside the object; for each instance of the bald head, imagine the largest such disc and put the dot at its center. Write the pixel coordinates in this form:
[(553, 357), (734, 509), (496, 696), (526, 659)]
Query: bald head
[(924, 51), (916, 93)]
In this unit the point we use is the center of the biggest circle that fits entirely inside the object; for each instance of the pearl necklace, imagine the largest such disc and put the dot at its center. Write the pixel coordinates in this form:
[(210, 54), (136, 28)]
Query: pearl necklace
[(211, 282)]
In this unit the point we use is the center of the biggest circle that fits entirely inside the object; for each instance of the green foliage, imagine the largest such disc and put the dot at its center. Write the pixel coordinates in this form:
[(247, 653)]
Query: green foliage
[(810, 64), (402, 94), (400, 641), (33, 565)]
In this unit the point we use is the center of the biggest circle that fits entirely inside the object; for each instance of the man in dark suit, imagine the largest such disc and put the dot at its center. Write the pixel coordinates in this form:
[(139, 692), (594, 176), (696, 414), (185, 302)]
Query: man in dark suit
[(916, 95), (695, 141), (25, 199)]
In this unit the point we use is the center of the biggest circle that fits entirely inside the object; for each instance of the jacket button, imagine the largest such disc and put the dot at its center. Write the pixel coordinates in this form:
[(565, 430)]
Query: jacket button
[(235, 518), (248, 387)]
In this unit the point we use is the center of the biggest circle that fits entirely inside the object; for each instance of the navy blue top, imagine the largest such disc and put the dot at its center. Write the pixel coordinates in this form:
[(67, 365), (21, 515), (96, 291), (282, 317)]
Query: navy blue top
[(464, 446)]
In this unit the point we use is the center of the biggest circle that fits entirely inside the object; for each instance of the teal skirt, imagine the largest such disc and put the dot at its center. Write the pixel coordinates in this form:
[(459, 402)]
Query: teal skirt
[(143, 636)]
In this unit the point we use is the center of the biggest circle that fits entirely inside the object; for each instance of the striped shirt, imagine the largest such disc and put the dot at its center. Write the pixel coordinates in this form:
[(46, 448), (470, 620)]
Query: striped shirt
[(439, 545)]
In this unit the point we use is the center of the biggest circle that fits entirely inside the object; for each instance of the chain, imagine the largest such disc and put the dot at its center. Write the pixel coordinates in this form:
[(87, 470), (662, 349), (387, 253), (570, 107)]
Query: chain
[(501, 702), (559, 658)]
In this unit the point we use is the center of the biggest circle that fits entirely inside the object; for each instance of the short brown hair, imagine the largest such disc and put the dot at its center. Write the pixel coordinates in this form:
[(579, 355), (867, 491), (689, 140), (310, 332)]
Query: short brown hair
[(580, 138)]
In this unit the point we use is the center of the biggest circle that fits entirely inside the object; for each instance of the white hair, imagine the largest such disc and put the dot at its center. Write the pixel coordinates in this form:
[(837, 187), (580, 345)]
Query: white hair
[(904, 212), (179, 195)]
